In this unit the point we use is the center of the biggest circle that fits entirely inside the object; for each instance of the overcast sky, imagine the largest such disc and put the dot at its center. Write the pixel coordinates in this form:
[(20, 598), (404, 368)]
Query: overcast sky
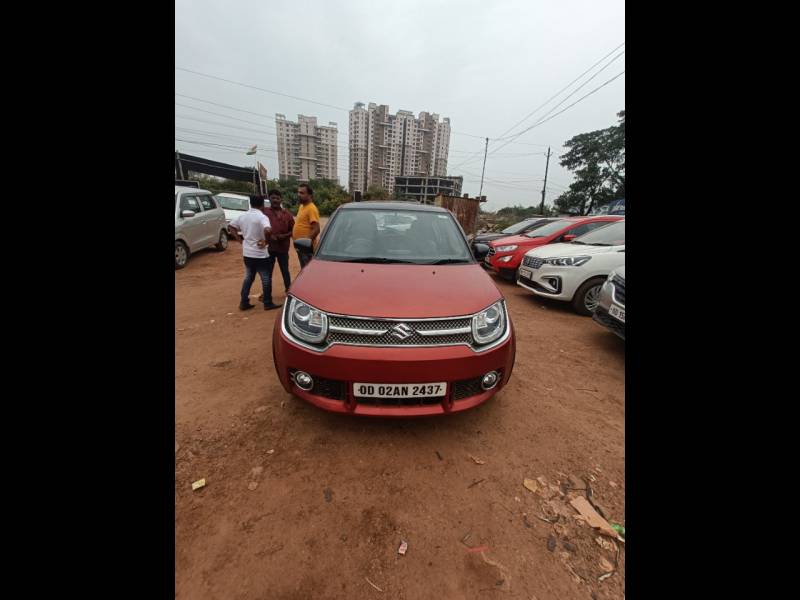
[(486, 65)]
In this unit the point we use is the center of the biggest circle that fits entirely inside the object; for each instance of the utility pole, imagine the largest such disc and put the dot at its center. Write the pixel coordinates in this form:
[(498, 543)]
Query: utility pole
[(180, 164), (485, 150), (544, 187)]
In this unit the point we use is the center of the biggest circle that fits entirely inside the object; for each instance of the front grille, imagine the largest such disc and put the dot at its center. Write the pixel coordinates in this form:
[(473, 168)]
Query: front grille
[(388, 338), (534, 262), (466, 388), (602, 317), (619, 289), (492, 251), (401, 401)]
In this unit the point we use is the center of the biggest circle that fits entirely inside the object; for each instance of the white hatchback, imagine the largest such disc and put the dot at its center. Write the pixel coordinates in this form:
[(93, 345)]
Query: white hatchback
[(574, 272)]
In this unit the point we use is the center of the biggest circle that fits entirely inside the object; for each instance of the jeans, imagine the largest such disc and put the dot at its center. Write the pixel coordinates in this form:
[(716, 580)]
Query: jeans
[(283, 264), (251, 267), (304, 258)]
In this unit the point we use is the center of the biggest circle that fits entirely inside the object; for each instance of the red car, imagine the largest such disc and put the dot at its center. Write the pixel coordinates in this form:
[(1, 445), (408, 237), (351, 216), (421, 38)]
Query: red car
[(506, 254), (393, 320)]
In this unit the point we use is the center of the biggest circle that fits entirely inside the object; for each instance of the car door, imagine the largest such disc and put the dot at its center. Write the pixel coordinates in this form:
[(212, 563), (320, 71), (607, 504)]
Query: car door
[(193, 228), (214, 217)]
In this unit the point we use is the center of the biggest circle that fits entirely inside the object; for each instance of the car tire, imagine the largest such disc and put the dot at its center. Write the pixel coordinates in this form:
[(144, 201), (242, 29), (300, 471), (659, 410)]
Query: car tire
[(508, 274), (585, 299), (222, 244), (181, 255)]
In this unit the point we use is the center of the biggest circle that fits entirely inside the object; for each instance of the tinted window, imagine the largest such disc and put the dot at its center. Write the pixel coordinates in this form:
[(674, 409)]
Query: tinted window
[(612, 234), (519, 227), (233, 203), (379, 235), (189, 202), (207, 202), (549, 228)]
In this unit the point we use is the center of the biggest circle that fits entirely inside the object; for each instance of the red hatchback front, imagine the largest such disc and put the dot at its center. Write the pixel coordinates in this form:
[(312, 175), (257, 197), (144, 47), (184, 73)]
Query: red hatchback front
[(506, 254), (393, 317)]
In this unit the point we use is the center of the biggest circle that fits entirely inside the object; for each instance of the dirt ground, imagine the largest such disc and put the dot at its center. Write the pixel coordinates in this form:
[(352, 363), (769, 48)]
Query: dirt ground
[(304, 504)]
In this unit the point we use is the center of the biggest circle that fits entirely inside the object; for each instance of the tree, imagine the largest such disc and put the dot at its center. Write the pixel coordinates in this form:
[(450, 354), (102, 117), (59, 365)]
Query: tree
[(598, 160), (376, 192)]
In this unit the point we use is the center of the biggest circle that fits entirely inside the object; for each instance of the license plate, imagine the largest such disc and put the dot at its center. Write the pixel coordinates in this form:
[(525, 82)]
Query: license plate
[(525, 273), (399, 390), (617, 313)]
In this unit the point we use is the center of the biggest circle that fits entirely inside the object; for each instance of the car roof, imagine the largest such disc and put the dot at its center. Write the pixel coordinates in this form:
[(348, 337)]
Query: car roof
[(184, 188), (232, 195), (391, 205)]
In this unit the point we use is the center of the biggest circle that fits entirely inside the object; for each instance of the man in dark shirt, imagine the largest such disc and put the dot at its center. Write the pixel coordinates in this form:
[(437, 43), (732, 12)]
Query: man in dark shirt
[(282, 223)]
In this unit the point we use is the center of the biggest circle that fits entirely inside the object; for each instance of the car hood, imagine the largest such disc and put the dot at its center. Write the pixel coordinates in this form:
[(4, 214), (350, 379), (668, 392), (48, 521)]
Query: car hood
[(482, 238), (395, 291), (552, 250), (515, 239), (231, 214)]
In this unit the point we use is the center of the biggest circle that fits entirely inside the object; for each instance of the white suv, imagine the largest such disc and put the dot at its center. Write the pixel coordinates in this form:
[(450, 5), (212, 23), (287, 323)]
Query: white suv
[(575, 272), (199, 223)]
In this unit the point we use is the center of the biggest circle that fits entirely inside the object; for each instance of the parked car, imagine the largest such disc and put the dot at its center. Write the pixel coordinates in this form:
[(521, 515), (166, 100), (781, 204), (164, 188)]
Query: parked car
[(393, 322), (515, 229), (505, 254), (233, 205), (610, 311), (199, 223), (574, 272)]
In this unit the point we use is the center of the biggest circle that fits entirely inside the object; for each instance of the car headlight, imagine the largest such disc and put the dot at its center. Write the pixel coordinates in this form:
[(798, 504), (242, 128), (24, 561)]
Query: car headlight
[(506, 248), (610, 276), (567, 261), (489, 324), (306, 322)]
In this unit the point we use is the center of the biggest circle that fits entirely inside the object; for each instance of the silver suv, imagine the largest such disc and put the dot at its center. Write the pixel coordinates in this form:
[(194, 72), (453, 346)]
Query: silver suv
[(199, 223)]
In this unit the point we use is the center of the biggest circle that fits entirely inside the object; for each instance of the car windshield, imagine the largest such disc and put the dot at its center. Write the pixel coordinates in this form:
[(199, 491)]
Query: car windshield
[(233, 203), (394, 236), (609, 235), (549, 228), (517, 227)]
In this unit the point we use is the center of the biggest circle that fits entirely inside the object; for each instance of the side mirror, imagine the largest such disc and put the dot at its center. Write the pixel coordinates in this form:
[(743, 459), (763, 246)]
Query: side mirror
[(304, 246), (187, 214), (480, 251), (569, 238)]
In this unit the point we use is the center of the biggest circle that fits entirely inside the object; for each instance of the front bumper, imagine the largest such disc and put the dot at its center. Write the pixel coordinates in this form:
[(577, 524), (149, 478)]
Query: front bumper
[(549, 281), (337, 368), (602, 315)]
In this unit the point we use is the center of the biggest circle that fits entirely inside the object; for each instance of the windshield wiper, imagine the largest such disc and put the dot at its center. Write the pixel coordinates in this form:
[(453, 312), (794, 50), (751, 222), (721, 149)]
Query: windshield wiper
[(376, 260), (450, 261)]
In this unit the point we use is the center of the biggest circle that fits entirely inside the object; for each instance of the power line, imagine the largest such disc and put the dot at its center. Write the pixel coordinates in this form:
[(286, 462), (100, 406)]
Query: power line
[(561, 90), (570, 106), (254, 87)]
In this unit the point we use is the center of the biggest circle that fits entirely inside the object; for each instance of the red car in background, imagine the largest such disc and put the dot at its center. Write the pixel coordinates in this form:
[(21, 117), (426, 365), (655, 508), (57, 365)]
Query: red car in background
[(506, 254)]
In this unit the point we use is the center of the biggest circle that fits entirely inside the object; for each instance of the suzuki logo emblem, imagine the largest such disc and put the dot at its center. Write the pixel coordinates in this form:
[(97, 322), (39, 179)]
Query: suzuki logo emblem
[(402, 331)]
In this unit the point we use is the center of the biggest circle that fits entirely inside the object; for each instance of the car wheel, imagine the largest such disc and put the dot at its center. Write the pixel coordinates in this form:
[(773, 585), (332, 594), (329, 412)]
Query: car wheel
[(585, 299), (222, 244), (181, 255)]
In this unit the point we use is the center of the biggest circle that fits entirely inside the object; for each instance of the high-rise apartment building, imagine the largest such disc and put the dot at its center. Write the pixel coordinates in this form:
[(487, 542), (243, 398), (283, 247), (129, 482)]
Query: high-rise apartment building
[(383, 146), (306, 150)]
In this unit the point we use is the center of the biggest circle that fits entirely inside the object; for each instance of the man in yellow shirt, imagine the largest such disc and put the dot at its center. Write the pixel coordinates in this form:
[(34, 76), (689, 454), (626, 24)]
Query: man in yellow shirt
[(306, 225)]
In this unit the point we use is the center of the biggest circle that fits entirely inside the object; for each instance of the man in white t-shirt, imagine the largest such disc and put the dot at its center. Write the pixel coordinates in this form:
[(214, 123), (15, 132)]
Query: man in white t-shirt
[(254, 229)]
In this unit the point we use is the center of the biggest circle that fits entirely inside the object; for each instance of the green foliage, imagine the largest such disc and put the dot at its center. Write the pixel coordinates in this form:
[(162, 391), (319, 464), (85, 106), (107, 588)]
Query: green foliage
[(376, 192), (215, 185), (328, 194), (598, 160)]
